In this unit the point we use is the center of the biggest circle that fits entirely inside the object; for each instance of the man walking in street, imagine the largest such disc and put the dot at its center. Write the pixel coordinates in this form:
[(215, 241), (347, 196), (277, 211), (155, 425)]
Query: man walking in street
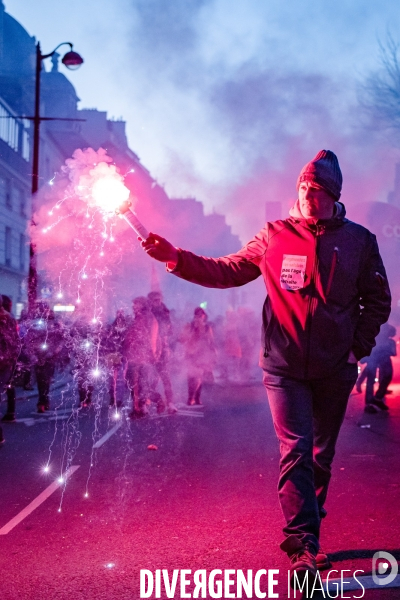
[(327, 298), (162, 315), (9, 350)]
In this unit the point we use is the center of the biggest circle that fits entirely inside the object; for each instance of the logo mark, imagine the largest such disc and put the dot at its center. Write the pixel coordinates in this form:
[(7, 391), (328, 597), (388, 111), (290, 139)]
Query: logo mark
[(384, 561)]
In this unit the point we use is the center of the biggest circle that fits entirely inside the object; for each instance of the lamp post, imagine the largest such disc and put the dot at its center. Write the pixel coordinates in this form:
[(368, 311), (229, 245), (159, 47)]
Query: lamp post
[(72, 60)]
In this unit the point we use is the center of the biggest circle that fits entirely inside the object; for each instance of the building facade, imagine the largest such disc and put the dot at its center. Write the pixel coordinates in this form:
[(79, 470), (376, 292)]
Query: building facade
[(182, 220), (16, 78)]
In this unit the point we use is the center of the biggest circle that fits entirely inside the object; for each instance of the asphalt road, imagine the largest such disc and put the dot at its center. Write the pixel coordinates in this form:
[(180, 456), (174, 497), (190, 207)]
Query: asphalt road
[(205, 498)]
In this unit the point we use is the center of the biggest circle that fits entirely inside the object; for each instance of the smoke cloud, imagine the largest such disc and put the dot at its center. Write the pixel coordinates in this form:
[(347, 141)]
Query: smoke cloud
[(227, 102)]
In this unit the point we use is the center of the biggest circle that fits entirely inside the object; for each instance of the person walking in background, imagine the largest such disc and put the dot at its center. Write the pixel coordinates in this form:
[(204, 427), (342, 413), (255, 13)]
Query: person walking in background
[(24, 360), (380, 359), (9, 415), (44, 342), (200, 355), (142, 349), (9, 350), (84, 343), (113, 354), (327, 296), (162, 315)]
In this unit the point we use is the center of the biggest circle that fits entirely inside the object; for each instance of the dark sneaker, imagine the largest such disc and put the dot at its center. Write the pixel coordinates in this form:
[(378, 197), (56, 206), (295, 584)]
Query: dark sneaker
[(371, 409), (41, 408), (379, 404), (322, 561), (161, 407), (137, 414), (9, 418), (302, 560)]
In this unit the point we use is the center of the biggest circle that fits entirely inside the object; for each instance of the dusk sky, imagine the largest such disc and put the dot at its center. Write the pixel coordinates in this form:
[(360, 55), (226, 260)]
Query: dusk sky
[(226, 100)]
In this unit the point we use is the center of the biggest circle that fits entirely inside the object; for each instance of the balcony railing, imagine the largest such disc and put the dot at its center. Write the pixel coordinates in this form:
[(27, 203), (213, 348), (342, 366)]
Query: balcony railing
[(14, 131)]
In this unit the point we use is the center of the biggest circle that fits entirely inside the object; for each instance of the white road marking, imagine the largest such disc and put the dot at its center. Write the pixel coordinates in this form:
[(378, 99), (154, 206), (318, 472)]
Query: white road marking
[(111, 431), (366, 580), (182, 413), (107, 436), (29, 421), (189, 413), (62, 411), (37, 501)]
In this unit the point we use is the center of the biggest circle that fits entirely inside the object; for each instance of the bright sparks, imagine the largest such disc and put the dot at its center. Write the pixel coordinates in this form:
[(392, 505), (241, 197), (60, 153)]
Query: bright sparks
[(109, 192)]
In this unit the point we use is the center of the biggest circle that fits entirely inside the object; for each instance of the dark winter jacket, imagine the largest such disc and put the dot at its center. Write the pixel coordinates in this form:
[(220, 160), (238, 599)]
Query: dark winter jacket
[(327, 290), (142, 341), (43, 341), (9, 340)]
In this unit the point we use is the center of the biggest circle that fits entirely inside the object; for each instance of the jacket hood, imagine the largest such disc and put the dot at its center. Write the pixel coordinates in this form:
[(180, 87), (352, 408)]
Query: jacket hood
[(339, 213)]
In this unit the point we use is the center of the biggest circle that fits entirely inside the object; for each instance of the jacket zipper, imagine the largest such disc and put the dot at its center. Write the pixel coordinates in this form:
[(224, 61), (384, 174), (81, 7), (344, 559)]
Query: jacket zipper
[(311, 300), (332, 271)]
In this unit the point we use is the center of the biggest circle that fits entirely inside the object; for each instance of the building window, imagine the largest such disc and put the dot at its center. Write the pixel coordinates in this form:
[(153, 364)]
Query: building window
[(14, 132), (2, 190), (22, 203), (22, 246), (9, 203), (8, 246)]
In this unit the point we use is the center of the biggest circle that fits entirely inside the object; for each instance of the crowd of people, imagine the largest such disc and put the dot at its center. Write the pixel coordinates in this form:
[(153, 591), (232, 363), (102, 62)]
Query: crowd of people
[(137, 350)]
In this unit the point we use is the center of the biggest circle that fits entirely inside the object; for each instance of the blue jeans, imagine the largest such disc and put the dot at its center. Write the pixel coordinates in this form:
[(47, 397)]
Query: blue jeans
[(307, 416)]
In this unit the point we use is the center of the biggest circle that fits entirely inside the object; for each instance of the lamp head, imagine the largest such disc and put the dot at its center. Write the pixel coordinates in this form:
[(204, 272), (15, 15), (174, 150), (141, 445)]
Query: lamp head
[(72, 60)]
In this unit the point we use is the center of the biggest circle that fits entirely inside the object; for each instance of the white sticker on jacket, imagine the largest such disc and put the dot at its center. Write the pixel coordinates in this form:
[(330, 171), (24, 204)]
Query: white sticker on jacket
[(293, 271)]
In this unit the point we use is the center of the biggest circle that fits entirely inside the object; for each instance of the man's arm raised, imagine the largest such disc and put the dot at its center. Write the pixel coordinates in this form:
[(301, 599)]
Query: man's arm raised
[(224, 272)]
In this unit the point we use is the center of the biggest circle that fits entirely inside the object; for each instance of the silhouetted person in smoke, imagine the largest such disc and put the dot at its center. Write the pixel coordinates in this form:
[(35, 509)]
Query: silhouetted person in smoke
[(327, 298), (10, 388), (9, 349), (198, 340), (113, 353), (85, 342), (142, 349), (24, 361), (44, 341), (380, 359), (161, 313)]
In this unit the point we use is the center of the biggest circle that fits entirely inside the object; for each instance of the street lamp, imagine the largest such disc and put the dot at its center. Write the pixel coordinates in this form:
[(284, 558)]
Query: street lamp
[(72, 60)]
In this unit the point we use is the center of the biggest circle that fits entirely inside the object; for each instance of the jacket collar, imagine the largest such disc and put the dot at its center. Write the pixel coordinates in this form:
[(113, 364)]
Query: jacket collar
[(338, 218)]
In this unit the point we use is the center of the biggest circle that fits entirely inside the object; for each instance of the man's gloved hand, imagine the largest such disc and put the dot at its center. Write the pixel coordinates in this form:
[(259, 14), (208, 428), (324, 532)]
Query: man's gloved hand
[(159, 248)]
